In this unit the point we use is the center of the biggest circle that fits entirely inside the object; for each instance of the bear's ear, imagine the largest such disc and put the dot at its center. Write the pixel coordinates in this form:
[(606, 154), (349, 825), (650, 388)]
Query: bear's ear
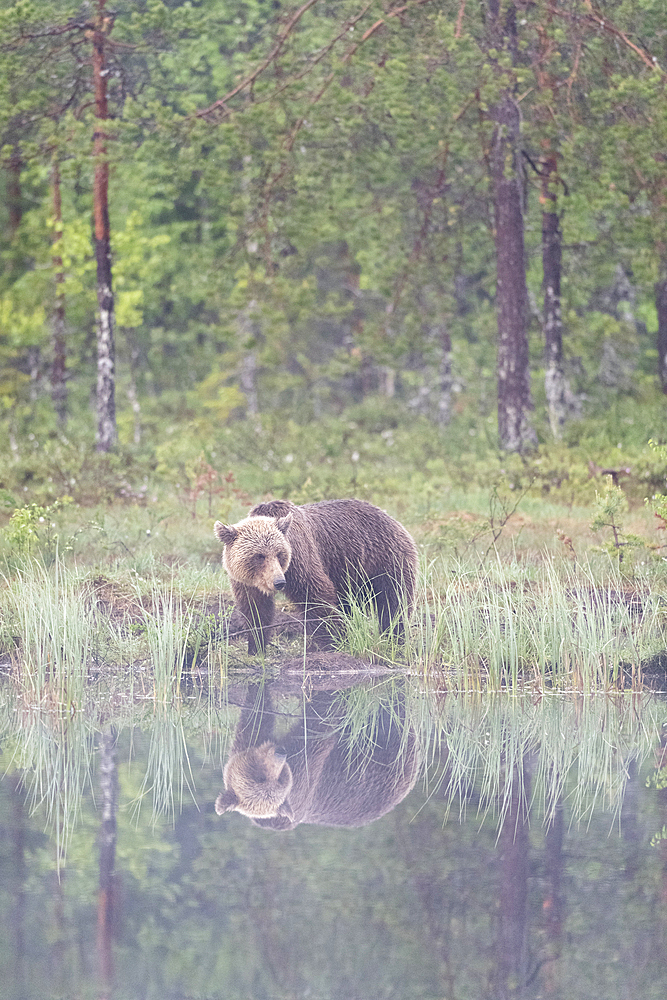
[(283, 523), (225, 533), (226, 801)]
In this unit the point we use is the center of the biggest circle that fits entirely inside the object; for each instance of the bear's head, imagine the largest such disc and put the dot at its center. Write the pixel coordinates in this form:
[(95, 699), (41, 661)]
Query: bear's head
[(257, 784), (257, 552)]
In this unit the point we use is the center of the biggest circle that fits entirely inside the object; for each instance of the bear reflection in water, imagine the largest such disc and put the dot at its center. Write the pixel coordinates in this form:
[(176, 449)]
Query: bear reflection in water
[(318, 772)]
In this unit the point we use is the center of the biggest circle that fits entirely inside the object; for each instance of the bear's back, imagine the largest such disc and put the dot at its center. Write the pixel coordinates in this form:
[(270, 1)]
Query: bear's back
[(341, 780), (347, 532)]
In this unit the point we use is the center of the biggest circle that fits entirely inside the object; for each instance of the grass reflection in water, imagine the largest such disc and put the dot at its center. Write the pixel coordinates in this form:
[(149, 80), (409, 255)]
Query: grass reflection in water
[(472, 746)]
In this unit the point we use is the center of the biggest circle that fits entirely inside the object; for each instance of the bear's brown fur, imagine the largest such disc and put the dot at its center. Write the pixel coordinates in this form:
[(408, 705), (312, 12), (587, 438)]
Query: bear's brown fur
[(320, 772), (321, 555)]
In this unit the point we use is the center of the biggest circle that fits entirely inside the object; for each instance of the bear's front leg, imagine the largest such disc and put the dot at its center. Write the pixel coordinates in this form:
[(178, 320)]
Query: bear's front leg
[(323, 619), (258, 609), (325, 626)]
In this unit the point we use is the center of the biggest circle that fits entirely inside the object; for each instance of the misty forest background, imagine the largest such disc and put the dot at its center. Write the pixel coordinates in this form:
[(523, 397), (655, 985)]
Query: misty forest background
[(332, 248)]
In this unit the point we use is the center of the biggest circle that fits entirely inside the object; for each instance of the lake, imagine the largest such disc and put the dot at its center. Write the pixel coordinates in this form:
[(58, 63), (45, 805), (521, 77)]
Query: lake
[(379, 836)]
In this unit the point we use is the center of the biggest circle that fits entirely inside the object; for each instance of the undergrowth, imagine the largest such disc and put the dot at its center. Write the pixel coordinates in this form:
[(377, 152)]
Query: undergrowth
[(378, 450)]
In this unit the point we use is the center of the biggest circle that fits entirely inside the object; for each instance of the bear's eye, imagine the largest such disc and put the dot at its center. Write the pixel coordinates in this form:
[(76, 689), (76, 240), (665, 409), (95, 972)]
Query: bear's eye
[(260, 558)]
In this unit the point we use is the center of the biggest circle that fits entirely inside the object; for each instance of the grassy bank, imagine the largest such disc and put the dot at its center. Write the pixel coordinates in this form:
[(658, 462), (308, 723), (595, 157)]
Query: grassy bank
[(548, 570), (515, 619)]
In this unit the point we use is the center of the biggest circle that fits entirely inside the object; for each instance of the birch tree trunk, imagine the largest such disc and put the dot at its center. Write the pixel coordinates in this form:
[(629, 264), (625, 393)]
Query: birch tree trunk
[(106, 899), (106, 406), (445, 381), (248, 369), (557, 390), (132, 394)]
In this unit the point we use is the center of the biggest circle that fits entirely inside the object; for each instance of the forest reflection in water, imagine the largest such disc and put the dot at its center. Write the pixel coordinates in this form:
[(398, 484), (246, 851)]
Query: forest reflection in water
[(420, 843)]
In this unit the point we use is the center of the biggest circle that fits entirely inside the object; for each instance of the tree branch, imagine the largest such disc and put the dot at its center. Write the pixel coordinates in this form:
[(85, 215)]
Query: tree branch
[(597, 19), (605, 23), (275, 51), (318, 58), (378, 24), (459, 19), (221, 103)]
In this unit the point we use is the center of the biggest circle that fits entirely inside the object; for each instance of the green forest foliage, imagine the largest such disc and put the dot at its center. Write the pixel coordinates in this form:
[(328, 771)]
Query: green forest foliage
[(302, 229)]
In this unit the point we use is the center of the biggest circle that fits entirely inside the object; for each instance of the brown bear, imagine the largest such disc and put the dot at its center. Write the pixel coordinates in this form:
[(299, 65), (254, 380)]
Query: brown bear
[(321, 771), (322, 555)]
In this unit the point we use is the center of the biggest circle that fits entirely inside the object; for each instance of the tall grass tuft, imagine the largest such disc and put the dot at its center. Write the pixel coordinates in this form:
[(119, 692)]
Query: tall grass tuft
[(177, 634), (575, 748), (53, 631), (168, 621), (553, 626)]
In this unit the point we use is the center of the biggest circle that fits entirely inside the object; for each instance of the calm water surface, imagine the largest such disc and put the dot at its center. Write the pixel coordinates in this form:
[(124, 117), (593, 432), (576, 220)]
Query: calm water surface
[(405, 844)]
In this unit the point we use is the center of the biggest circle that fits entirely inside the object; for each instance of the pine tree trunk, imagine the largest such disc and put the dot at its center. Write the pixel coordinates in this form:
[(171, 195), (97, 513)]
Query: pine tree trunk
[(14, 202), (59, 363), (554, 378), (106, 406), (514, 399), (661, 306)]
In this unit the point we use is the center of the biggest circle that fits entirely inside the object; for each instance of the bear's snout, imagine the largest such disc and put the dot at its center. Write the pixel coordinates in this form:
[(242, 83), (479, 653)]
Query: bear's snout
[(279, 582)]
